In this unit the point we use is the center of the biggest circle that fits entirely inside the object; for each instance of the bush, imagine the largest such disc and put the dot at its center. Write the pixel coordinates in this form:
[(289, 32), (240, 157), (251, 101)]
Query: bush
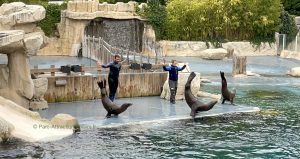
[(125, 1), (288, 26), (156, 14), (292, 6), (48, 24), (220, 20)]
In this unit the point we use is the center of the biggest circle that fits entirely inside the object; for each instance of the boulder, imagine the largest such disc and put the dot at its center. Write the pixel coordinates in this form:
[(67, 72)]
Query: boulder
[(65, 120), (38, 105), (290, 54), (40, 87), (295, 72), (5, 129), (214, 54), (182, 79), (17, 13), (9, 8), (33, 42)]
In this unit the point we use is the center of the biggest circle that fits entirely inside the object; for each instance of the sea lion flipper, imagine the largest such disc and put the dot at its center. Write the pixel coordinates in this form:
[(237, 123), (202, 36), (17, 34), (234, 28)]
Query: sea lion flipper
[(193, 113), (108, 115), (223, 101)]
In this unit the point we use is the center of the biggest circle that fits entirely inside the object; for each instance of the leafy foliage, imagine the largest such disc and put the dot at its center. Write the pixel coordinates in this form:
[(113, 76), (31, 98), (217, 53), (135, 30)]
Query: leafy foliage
[(156, 15), (288, 26), (48, 24), (163, 2), (292, 6), (223, 20)]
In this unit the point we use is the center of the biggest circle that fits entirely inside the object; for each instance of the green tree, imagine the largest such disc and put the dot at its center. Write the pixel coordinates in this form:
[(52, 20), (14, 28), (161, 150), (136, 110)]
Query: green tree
[(292, 6), (156, 14), (220, 20), (288, 26)]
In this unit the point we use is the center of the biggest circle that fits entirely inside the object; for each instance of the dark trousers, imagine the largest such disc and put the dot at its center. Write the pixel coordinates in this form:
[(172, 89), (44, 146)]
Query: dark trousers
[(113, 86), (173, 90)]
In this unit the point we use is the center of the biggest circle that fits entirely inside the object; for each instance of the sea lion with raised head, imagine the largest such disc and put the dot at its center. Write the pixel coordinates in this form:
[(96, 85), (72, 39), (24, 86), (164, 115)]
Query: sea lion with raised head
[(110, 107), (226, 94), (192, 101)]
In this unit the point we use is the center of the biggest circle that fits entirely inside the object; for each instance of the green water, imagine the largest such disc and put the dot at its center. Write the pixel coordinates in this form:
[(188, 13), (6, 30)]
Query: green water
[(272, 133)]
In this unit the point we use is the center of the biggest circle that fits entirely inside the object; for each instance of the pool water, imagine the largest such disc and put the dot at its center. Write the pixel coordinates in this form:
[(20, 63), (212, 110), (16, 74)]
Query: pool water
[(274, 132)]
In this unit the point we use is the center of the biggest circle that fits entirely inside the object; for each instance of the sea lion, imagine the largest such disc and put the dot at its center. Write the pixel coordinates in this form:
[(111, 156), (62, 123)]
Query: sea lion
[(192, 101), (110, 107), (226, 94)]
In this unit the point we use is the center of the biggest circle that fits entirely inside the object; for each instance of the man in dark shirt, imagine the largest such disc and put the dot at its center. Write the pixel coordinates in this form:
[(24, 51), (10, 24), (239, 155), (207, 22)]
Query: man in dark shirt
[(113, 76), (173, 78)]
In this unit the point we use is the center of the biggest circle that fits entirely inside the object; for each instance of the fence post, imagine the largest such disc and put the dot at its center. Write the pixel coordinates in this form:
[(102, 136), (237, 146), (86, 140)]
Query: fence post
[(36, 67), (141, 58), (94, 46), (82, 69), (134, 56), (99, 49), (52, 70), (128, 57)]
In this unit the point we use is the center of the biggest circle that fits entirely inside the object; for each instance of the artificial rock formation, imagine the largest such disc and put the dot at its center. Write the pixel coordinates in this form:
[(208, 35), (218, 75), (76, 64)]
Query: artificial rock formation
[(27, 125), (16, 82), (239, 65), (290, 54), (5, 130), (79, 15), (295, 72), (40, 87), (196, 48), (182, 78), (65, 120), (214, 54)]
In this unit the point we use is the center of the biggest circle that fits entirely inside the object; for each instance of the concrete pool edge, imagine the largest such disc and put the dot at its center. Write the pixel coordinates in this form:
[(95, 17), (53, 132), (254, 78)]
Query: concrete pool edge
[(182, 117)]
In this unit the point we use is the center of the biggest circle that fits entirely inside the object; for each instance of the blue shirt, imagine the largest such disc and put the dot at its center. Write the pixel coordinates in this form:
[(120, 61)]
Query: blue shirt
[(173, 71)]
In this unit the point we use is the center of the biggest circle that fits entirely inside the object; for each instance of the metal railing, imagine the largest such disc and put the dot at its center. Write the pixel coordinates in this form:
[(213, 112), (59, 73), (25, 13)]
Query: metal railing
[(98, 49)]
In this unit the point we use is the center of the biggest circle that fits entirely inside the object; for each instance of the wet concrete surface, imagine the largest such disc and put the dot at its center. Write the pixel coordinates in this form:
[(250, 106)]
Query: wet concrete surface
[(144, 109)]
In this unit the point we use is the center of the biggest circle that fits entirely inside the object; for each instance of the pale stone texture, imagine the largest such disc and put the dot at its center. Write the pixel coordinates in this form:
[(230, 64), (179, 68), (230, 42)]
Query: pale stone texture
[(239, 65), (196, 48), (295, 72), (28, 125), (290, 54), (182, 79), (248, 49), (33, 42), (5, 129), (182, 48), (65, 120), (17, 13), (40, 87), (16, 82), (214, 54), (75, 19)]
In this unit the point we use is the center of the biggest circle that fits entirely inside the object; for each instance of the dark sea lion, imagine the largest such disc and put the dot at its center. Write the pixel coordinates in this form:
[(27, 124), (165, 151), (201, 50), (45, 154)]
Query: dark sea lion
[(226, 94), (110, 107), (192, 101)]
